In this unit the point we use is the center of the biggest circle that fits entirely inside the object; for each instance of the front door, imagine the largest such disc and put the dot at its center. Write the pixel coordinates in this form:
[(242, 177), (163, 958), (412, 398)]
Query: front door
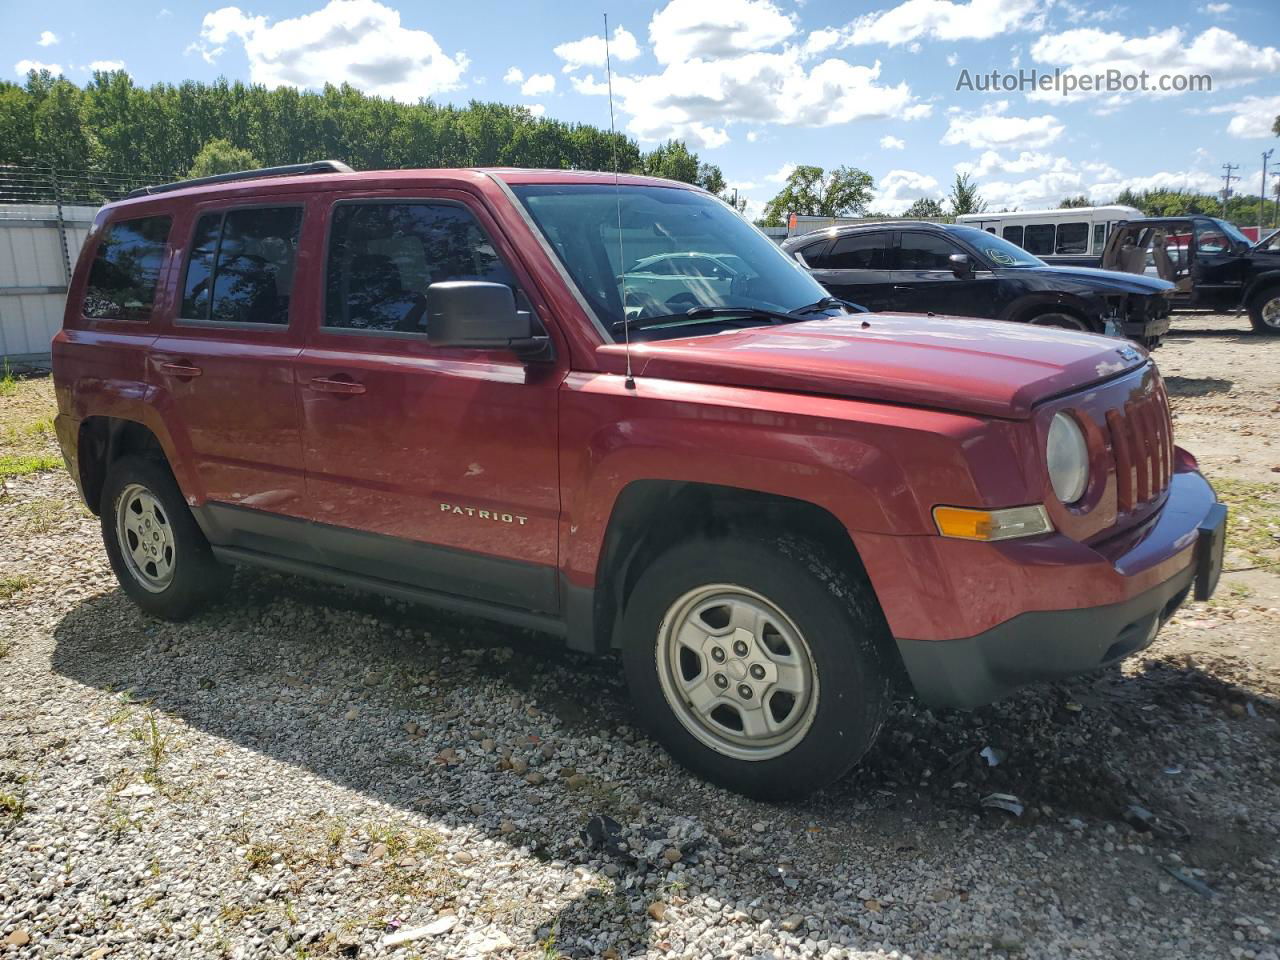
[(426, 465), (1218, 267), (222, 368), (854, 267), (924, 282)]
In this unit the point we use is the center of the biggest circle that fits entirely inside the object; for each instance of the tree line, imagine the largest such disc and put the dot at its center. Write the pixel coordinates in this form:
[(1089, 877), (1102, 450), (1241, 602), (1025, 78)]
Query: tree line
[(113, 124)]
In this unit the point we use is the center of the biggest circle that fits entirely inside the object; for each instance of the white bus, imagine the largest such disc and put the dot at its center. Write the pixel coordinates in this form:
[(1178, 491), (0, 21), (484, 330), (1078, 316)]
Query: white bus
[(1074, 236)]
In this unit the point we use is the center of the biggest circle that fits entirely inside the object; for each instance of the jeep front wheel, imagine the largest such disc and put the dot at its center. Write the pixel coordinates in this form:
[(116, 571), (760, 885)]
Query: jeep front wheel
[(159, 555), (760, 665), (1264, 311)]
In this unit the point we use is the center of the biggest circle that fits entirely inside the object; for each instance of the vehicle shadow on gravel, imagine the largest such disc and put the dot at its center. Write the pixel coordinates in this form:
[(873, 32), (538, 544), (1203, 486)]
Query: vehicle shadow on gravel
[(1134, 750)]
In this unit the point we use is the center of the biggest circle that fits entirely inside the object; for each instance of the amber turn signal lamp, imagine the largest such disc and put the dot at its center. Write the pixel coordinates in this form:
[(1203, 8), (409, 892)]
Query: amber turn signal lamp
[(965, 523)]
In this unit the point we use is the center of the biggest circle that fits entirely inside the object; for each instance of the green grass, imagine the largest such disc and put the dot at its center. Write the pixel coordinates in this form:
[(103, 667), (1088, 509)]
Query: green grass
[(12, 586), (1253, 526), (8, 382), (19, 465), (12, 808)]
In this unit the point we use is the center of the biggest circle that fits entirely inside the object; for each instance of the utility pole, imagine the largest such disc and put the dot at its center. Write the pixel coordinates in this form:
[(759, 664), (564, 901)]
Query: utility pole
[(1262, 197), (1227, 177)]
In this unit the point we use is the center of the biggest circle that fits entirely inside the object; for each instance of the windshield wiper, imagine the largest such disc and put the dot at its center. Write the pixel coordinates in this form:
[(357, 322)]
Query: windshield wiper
[(709, 313), (826, 303)]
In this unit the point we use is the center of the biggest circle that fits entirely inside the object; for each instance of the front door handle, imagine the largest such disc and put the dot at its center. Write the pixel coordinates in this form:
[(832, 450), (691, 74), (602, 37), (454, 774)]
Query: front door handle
[(900, 289), (347, 388), (180, 370)]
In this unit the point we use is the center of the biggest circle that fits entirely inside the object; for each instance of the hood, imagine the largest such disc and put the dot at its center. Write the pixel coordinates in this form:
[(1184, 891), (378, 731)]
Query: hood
[(1111, 281), (990, 368)]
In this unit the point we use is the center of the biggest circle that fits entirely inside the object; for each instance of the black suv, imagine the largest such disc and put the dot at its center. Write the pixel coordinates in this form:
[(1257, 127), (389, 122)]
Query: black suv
[(967, 272), (1212, 265)]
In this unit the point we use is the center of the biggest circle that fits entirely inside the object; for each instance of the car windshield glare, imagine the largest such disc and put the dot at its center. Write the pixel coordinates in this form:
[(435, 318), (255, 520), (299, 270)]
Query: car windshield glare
[(677, 250), (997, 250)]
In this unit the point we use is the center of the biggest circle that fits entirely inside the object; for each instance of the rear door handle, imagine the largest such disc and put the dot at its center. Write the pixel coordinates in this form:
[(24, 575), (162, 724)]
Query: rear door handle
[(180, 370), (902, 288), (347, 388)]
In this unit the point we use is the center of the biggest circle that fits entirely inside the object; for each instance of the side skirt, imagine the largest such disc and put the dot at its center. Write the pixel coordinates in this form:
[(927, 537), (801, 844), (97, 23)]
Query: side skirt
[(543, 623)]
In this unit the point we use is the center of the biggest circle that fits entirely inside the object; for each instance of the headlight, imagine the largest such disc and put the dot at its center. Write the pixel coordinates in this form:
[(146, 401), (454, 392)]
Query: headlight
[(1067, 457)]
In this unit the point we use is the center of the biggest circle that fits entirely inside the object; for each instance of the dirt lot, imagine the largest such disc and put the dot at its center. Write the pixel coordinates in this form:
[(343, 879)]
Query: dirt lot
[(307, 772)]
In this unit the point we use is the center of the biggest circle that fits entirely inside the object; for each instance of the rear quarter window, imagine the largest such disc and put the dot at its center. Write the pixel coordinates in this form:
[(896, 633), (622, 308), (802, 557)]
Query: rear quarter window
[(126, 269)]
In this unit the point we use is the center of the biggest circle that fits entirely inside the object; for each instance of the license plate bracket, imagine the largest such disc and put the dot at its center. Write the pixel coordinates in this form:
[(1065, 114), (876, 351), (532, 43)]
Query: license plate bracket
[(1210, 547)]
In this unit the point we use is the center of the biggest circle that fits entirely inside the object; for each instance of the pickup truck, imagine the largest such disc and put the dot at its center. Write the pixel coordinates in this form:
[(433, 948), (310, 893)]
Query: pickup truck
[(518, 394)]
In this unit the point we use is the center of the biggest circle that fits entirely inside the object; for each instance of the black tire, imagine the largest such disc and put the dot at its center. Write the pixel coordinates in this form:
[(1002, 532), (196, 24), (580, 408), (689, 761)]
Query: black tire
[(196, 577), (835, 611), (1268, 300), (1063, 321)]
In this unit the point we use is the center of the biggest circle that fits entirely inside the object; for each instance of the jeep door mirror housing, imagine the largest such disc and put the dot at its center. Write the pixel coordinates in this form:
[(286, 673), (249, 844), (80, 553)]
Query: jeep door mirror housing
[(961, 265), (475, 313)]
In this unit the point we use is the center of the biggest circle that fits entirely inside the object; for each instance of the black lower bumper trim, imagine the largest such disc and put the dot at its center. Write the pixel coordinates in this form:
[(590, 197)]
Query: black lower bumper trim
[(1037, 646)]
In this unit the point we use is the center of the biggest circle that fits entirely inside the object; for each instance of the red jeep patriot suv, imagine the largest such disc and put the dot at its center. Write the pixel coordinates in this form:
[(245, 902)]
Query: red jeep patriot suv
[(610, 409)]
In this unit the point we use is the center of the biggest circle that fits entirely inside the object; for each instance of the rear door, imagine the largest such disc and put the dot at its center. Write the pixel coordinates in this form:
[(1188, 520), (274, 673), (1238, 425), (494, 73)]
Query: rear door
[(426, 465), (854, 267), (222, 369), (923, 280)]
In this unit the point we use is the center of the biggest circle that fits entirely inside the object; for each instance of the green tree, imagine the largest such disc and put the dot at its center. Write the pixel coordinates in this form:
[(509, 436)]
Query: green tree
[(926, 208), (965, 197), (221, 156), (711, 179), (1068, 203), (811, 191), (672, 160)]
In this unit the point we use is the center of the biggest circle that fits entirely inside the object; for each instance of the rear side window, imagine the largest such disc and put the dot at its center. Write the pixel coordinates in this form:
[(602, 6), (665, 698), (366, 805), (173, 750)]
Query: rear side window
[(126, 268), (859, 252), (1073, 238), (241, 265), (1013, 235), (384, 256), (1099, 236), (1038, 239)]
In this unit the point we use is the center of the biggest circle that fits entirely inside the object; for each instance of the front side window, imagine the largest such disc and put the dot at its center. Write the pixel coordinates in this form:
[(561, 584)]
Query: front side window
[(1038, 238), (1073, 238), (241, 265), (126, 268), (605, 236), (924, 251), (383, 257), (859, 252)]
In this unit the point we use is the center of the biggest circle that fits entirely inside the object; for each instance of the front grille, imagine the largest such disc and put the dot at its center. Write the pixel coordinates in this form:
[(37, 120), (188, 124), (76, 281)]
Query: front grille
[(1142, 446)]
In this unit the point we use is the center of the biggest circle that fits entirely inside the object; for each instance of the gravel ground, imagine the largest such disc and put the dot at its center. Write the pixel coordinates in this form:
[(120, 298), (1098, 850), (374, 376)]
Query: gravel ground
[(310, 772)]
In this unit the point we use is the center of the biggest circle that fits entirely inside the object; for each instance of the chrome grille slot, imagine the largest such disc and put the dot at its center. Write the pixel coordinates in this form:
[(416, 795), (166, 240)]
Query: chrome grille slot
[(1142, 448)]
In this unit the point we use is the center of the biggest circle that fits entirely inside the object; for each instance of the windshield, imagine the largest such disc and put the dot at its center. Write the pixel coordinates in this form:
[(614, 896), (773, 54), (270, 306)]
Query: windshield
[(1270, 244), (1232, 231), (996, 249), (677, 250)]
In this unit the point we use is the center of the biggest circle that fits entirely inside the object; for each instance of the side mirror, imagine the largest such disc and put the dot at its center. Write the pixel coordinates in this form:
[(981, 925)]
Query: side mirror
[(961, 265), (474, 313)]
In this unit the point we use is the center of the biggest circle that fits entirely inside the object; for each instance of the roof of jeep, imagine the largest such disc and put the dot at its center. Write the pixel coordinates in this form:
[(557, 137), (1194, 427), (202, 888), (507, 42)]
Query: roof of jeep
[(846, 229), (365, 179)]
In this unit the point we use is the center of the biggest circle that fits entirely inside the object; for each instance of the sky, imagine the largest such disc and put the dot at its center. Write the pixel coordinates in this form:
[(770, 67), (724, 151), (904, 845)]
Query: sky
[(899, 89)]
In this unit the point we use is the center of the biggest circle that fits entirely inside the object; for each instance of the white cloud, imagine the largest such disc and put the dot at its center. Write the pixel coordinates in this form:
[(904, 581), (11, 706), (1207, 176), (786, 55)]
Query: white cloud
[(538, 84), (1253, 116), (23, 67), (106, 66), (360, 42), (47, 38), (994, 128), (781, 174), (1025, 162), (898, 189), (1216, 9), (688, 29), (952, 59), (590, 52), (1199, 181), (164, 12), (943, 20), (514, 75), (537, 109), (1227, 59), (888, 142)]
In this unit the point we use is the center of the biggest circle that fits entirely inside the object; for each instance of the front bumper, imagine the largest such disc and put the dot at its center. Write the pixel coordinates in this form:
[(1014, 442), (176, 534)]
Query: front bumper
[(1183, 543)]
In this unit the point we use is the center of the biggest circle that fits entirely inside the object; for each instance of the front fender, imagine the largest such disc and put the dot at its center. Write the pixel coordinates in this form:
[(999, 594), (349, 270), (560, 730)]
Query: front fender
[(1090, 306), (1268, 278), (877, 468)]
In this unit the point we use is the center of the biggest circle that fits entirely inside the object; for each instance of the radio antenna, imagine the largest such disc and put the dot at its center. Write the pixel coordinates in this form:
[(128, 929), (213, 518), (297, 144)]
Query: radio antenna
[(630, 382)]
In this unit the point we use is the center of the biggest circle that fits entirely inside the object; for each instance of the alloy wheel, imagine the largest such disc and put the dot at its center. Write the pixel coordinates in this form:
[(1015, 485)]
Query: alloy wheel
[(145, 537)]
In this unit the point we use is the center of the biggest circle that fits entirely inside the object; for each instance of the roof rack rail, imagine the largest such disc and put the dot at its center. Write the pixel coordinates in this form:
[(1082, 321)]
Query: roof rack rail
[(288, 170)]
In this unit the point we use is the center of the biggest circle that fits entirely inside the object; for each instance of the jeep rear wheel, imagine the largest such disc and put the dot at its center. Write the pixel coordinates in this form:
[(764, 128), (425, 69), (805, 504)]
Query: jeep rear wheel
[(159, 555), (760, 665), (1264, 311)]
